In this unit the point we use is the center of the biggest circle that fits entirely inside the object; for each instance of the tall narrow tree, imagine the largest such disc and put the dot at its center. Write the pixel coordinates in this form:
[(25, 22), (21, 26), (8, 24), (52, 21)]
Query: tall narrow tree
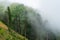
[(9, 16)]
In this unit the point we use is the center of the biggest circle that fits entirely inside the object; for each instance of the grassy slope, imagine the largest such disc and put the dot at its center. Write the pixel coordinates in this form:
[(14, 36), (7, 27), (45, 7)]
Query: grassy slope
[(10, 34)]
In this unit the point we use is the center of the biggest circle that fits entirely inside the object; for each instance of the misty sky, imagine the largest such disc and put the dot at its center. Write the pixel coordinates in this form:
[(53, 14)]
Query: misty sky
[(50, 10), (31, 3)]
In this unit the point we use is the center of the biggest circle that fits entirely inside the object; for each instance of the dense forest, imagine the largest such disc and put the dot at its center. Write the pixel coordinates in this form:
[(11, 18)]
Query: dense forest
[(19, 22)]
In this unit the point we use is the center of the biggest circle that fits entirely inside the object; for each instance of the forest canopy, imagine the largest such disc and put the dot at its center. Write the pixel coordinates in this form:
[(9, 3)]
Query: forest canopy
[(23, 21)]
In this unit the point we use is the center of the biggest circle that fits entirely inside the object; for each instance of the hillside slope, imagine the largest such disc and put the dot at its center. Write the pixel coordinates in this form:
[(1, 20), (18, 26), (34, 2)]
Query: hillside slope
[(9, 34)]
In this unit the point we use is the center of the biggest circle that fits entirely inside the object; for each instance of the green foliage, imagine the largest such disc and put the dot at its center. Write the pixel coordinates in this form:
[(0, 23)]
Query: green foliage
[(19, 14), (16, 15)]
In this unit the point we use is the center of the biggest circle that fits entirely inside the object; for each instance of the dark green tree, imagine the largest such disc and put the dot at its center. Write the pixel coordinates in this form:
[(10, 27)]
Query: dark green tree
[(9, 16)]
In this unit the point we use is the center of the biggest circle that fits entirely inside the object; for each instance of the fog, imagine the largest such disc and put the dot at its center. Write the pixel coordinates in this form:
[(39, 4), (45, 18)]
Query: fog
[(49, 9), (51, 12)]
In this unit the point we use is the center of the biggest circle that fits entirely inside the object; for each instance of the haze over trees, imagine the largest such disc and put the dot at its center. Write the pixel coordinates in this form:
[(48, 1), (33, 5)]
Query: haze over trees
[(25, 21)]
